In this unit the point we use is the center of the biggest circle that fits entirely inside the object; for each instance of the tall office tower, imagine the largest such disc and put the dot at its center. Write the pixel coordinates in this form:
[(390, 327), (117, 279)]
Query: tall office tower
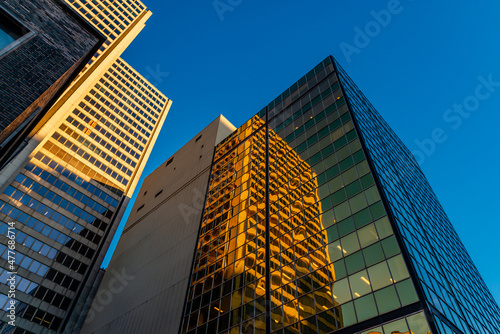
[(43, 46), (316, 219), (67, 187), (319, 220)]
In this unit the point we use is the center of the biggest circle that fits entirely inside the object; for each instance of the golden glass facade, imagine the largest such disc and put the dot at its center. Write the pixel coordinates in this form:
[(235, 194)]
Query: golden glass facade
[(68, 188), (300, 261), (294, 235), (231, 252)]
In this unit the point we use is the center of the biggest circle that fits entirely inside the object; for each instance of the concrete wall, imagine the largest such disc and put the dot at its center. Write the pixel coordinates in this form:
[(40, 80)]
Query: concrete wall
[(145, 285)]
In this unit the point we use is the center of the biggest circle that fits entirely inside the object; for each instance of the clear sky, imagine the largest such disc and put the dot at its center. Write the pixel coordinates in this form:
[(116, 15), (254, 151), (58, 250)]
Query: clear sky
[(417, 65)]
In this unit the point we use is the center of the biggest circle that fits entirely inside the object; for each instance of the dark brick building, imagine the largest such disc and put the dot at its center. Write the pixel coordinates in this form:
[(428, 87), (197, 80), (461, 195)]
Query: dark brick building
[(43, 46)]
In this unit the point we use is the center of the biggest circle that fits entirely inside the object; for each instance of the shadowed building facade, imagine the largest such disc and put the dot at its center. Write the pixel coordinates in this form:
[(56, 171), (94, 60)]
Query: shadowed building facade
[(67, 186), (39, 57)]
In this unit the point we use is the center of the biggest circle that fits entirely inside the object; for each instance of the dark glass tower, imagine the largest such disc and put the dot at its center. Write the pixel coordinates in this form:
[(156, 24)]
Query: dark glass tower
[(455, 296), (318, 219)]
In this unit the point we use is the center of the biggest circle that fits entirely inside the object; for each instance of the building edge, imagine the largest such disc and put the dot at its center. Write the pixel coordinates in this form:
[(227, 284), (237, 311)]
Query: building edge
[(388, 208), (81, 305)]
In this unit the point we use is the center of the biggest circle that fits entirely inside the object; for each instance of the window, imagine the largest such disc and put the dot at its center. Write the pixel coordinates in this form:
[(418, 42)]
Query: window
[(169, 161), (199, 137), (158, 193), (10, 29)]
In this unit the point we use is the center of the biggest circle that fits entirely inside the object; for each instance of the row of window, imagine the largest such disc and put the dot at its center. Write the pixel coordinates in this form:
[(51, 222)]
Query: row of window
[(103, 142), (298, 89), (50, 232), (86, 156), (46, 250), (145, 100), (6, 328), (325, 95), (91, 18), (416, 324), (93, 148), (95, 125), (237, 137), (402, 181), (37, 316), (96, 138), (139, 104), (329, 125), (35, 290), (137, 80), (43, 228), (306, 315), (125, 111), (31, 184), (27, 263), (108, 115), (106, 197), (41, 270), (70, 159), (82, 152), (137, 85), (298, 116)]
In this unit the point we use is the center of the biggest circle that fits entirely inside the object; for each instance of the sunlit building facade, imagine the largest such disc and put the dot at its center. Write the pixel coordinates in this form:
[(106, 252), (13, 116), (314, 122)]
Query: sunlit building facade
[(317, 219), (67, 187)]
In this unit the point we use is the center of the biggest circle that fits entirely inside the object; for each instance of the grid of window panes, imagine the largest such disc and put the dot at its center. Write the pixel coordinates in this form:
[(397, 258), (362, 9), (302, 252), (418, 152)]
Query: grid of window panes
[(334, 259), (63, 200), (59, 222), (16, 330), (414, 324), (66, 195), (111, 126), (111, 18), (227, 291), (454, 290), (64, 214)]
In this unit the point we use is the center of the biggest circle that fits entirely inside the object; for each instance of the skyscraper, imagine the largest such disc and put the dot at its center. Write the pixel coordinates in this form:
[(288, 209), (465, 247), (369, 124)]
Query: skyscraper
[(67, 186), (39, 56), (316, 219)]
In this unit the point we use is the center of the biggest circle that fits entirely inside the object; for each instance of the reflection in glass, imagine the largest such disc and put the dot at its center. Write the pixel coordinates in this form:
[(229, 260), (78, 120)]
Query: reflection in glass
[(300, 253), (333, 258), (228, 283)]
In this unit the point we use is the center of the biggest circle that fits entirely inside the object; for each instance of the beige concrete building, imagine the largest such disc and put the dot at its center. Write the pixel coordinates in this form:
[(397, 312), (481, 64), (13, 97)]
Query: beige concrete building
[(144, 287)]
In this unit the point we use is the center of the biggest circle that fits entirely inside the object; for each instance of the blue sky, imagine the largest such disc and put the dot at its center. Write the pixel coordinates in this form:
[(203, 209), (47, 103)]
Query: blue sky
[(417, 67)]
